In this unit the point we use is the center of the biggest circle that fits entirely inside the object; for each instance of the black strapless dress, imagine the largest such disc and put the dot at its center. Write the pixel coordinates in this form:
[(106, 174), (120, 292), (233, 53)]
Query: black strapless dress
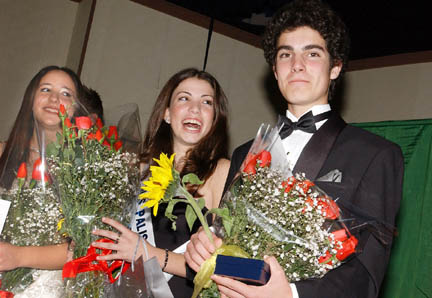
[(166, 237)]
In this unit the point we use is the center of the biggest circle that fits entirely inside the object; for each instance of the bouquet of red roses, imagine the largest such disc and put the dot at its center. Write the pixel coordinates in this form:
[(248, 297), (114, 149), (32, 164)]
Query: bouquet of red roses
[(31, 221), (273, 212), (94, 178)]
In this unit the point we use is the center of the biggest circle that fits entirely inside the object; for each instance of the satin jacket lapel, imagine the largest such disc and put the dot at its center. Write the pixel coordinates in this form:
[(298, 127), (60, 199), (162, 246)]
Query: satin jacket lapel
[(318, 148)]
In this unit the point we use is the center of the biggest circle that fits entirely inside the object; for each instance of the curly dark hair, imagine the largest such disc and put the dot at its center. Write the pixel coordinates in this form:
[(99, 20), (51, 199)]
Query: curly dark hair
[(313, 14)]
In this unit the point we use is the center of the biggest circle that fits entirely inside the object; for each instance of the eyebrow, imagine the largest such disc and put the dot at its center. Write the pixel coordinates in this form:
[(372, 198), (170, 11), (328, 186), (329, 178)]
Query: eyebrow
[(190, 94), (305, 48), (49, 84)]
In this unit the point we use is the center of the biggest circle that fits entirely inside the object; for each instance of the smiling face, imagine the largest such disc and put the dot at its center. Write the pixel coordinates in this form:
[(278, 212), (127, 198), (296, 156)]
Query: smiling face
[(302, 69), (191, 113), (55, 88)]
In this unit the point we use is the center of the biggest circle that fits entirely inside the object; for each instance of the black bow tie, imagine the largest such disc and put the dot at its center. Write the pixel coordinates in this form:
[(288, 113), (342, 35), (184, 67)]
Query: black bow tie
[(306, 123)]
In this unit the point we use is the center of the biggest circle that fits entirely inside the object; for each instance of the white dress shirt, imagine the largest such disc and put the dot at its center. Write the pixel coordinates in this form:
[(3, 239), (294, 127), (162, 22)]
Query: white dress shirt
[(294, 145), (295, 142)]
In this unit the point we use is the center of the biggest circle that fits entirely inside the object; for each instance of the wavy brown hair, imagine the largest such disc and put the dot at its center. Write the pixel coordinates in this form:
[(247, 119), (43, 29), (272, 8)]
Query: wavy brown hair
[(17, 146), (313, 14), (202, 158)]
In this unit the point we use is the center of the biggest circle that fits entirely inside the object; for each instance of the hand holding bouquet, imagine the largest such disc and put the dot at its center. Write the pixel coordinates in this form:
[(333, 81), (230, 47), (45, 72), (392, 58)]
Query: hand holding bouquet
[(94, 178), (31, 221), (276, 213)]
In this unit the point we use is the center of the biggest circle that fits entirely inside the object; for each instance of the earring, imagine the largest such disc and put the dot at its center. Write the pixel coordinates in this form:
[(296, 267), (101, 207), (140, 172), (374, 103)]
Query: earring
[(167, 120)]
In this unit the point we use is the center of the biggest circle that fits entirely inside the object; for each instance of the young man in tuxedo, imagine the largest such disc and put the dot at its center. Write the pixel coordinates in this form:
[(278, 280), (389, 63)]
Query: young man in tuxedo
[(306, 44)]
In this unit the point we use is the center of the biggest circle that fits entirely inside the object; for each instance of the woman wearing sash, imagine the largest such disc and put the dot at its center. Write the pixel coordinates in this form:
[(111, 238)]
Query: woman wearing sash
[(189, 118)]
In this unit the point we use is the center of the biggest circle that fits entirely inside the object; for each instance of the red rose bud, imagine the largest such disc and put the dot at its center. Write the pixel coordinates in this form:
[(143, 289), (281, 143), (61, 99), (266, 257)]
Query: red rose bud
[(91, 136), (99, 135), (99, 123), (22, 171), (329, 208), (118, 145), (305, 185), (289, 184), (348, 247), (68, 123), (250, 168), (325, 259), (38, 171), (106, 143), (62, 110), (74, 134), (340, 235), (83, 122), (265, 158), (112, 132)]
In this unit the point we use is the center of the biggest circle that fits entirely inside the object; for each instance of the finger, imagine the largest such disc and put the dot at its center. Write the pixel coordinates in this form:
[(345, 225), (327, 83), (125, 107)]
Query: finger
[(115, 224), (105, 245), (108, 234), (275, 267), (201, 253), (195, 266), (109, 257), (227, 292), (205, 241), (234, 286)]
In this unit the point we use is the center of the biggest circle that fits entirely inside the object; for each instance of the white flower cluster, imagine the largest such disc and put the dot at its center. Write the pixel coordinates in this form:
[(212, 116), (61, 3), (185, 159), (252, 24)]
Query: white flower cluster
[(33, 217), (291, 225), (101, 183)]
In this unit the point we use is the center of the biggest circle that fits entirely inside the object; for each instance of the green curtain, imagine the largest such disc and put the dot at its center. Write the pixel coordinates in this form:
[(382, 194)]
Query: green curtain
[(410, 270)]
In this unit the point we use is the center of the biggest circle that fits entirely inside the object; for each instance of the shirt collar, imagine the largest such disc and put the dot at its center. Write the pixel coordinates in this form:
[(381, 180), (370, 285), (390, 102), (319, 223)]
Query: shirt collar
[(316, 110)]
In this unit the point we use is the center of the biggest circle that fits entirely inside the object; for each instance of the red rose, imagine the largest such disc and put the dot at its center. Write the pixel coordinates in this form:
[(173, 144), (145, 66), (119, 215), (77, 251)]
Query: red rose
[(340, 235), (118, 145), (325, 259), (38, 170), (83, 122), (288, 185), (62, 110), (99, 135), (112, 132), (22, 171), (74, 134), (106, 143), (305, 185), (251, 161), (99, 123), (91, 136), (348, 247), (265, 158), (250, 168), (68, 123), (329, 208)]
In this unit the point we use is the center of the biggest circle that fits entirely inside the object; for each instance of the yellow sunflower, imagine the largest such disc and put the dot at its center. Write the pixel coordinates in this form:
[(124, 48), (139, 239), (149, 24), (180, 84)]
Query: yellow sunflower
[(156, 186)]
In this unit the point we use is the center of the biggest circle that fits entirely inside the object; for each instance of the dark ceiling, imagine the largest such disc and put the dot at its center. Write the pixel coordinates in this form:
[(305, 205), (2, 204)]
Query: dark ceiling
[(377, 27)]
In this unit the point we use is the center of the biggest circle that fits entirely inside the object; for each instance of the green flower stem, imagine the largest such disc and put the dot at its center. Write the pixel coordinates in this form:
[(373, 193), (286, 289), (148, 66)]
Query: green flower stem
[(198, 212)]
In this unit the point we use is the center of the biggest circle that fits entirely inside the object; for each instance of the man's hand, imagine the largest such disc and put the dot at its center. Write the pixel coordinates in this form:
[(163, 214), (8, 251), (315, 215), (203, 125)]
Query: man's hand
[(200, 249), (277, 286)]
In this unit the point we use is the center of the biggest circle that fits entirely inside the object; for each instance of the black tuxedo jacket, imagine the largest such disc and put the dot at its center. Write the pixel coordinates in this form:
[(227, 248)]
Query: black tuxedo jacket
[(372, 173)]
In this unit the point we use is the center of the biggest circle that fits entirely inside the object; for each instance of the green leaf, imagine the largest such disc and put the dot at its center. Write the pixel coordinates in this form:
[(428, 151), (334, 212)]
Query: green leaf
[(169, 211), (190, 216), (227, 220), (52, 149), (192, 179)]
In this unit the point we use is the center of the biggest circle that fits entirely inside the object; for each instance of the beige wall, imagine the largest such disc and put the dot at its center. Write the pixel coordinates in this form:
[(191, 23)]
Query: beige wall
[(33, 34), (389, 93), (132, 50)]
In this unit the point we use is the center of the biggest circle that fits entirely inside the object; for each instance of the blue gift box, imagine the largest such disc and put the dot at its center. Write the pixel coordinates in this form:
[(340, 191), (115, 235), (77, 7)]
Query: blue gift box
[(250, 271)]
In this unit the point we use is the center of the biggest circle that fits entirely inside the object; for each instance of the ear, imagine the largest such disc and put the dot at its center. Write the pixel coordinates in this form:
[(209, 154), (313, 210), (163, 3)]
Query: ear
[(335, 70), (167, 117), (274, 72)]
